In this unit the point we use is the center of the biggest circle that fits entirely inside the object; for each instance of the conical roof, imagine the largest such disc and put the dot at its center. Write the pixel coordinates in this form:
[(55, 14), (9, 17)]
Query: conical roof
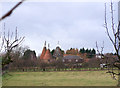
[(47, 55), (57, 52), (43, 51)]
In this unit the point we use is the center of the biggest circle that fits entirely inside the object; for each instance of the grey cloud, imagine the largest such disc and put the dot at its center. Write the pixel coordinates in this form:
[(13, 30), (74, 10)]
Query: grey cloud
[(73, 24)]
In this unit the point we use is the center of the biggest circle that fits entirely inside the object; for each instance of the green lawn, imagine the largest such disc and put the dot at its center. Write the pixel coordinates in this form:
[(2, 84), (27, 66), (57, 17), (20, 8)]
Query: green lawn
[(72, 78)]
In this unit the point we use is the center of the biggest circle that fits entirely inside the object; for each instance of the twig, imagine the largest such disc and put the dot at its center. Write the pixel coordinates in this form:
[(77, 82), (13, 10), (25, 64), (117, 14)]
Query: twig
[(10, 12)]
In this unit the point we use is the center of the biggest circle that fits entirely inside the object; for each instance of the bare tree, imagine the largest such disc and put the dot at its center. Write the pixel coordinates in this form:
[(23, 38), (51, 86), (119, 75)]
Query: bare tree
[(100, 52), (9, 43), (115, 40)]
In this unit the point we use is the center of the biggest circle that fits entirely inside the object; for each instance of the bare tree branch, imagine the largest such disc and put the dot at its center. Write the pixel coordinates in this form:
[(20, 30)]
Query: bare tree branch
[(10, 12), (112, 18), (114, 42), (102, 48), (118, 31), (107, 27), (100, 52), (97, 48)]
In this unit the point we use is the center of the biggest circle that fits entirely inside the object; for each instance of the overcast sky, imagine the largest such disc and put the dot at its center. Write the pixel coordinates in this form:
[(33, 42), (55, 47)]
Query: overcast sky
[(73, 24)]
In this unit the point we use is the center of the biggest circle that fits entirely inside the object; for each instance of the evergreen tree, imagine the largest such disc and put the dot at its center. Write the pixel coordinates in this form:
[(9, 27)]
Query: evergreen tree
[(62, 51), (52, 51), (93, 51), (87, 51), (28, 53), (82, 50)]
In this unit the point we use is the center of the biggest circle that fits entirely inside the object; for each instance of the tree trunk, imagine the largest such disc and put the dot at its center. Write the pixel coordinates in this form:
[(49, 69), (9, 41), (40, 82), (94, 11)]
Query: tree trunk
[(118, 78)]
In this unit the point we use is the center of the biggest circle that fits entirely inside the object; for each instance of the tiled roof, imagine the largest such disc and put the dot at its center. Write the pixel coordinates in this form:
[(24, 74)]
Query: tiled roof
[(43, 53), (47, 55), (57, 52), (72, 57)]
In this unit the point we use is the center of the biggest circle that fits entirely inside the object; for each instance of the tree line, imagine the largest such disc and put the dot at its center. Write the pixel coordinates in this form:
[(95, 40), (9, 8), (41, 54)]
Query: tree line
[(90, 52)]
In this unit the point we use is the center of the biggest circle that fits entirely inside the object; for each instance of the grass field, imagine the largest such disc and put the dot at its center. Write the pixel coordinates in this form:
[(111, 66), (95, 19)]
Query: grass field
[(69, 78)]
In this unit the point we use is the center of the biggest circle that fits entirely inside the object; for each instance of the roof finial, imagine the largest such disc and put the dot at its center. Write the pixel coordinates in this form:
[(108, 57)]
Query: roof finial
[(58, 45), (45, 44), (48, 45), (58, 42)]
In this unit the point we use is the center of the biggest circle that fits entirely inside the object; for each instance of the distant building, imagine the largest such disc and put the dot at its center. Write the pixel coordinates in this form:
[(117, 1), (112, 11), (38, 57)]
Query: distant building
[(72, 61), (99, 56), (57, 53), (46, 55), (103, 65), (72, 58)]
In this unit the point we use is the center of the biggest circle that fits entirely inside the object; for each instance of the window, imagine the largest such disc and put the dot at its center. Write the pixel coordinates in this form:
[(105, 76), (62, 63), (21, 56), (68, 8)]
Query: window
[(76, 60), (69, 60)]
